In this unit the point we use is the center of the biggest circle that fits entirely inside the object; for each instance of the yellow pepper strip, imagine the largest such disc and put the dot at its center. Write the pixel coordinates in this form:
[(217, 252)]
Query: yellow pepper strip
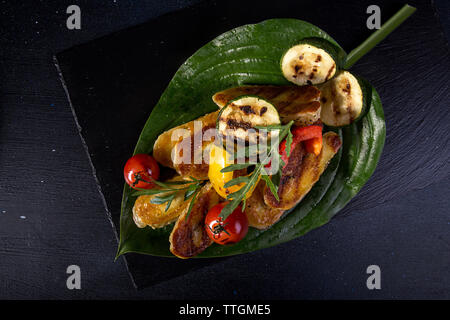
[(219, 158)]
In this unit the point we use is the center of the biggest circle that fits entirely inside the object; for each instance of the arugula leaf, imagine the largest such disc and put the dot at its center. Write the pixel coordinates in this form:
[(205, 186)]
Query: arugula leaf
[(145, 192), (276, 178), (163, 199), (269, 183), (270, 127), (288, 143), (191, 204), (190, 191), (236, 181), (237, 166), (168, 193), (237, 197), (243, 204), (168, 205)]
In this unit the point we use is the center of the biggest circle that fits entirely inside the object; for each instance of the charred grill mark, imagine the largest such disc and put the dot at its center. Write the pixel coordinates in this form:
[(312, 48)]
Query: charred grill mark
[(300, 57), (282, 105), (330, 71), (262, 111), (294, 162), (247, 110), (251, 90), (272, 92), (292, 170), (234, 124), (319, 58), (257, 91), (309, 93), (347, 88), (334, 105)]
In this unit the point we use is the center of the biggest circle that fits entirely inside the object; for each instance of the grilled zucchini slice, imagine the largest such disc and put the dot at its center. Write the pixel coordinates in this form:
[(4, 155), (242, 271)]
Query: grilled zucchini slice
[(343, 99), (242, 114), (312, 61)]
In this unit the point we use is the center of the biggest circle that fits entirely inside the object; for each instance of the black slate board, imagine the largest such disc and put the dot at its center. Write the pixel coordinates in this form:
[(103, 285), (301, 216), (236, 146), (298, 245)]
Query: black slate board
[(113, 83)]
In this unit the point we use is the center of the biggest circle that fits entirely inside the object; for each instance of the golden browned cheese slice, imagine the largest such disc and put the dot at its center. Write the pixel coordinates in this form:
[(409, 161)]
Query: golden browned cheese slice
[(176, 150), (259, 214), (300, 104), (189, 237), (302, 172), (155, 215)]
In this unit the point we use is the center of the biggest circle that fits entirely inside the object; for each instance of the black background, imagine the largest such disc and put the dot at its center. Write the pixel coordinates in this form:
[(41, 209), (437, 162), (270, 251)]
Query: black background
[(52, 216)]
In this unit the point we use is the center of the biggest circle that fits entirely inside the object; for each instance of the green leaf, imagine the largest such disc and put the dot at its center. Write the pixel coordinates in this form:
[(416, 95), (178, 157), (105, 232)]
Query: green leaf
[(277, 177), (237, 166), (244, 202), (189, 192), (288, 143), (191, 204), (239, 195), (143, 192), (250, 54), (163, 199), (271, 186), (270, 127), (168, 205), (237, 180)]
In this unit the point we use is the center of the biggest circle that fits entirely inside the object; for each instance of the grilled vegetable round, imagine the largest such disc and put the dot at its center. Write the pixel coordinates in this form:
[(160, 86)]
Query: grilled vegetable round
[(312, 61), (342, 100), (238, 118)]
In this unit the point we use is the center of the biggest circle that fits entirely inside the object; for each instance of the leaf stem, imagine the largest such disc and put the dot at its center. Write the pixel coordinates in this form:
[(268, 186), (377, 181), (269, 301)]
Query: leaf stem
[(376, 37)]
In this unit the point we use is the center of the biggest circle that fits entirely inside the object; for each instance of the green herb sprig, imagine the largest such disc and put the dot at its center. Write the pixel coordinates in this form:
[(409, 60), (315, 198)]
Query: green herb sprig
[(235, 198), (167, 192)]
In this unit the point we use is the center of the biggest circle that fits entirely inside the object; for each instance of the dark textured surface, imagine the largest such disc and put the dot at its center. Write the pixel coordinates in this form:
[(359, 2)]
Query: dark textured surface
[(407, 236)]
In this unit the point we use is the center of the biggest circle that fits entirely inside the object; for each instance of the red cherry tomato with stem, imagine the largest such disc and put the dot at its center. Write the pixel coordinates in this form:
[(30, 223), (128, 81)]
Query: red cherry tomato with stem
[(232, 230), (139, 171)]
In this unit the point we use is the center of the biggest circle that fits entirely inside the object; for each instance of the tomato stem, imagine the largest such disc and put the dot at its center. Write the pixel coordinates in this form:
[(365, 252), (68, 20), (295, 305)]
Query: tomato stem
[(138, 177)]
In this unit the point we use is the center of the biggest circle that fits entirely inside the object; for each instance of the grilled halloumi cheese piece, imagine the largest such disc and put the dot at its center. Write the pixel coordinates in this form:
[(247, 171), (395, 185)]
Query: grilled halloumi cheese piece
[(300, 104), (263, 210), (189, 237), (155, 215), (258, 213), (302, 172), (169, 148)]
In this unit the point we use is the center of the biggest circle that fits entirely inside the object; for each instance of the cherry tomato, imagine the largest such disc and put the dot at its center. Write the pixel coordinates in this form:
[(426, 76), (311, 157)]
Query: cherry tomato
[(139, 171), (232, 230)]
